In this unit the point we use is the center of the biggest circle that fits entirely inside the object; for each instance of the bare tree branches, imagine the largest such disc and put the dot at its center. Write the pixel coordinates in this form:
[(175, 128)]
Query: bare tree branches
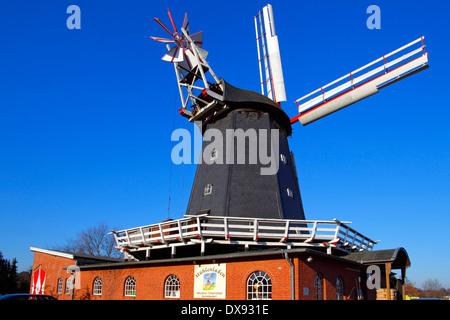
[(94, 240)]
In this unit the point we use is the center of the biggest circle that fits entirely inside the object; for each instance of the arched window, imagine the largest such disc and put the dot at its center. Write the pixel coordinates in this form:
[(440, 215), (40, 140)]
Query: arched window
[(130, 287), (339, 289), (259, 286), (60, 285), (172, 287), (318, 287), (68, 285), (97, 287)]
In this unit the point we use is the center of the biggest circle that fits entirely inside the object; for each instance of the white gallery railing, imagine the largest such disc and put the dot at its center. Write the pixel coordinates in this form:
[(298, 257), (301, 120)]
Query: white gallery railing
[(239, 230)]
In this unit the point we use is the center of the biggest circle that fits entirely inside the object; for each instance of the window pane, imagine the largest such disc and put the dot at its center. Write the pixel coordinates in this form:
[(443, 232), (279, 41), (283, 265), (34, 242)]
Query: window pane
[(318, 287), (68, 285), (172, 287), (259, 286), (130, 287), (339, 289), (97, 287), (208, 189), (289, 193), (60, 285)]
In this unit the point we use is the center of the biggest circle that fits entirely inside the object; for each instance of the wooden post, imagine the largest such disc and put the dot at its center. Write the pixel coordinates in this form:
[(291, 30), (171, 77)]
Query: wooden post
[(403, 283), (388, 282)]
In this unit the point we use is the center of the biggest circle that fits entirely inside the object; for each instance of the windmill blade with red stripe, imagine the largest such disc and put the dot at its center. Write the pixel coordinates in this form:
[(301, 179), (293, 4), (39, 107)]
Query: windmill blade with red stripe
[(163, 40), (186, 23), (164, 27), (197, 38), (175, 54)]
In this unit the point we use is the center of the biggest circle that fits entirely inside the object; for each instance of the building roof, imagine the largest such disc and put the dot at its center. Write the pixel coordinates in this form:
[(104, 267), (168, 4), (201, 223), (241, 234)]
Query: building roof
[(398, 257), (81, 258), (221, 257), (236, 98)]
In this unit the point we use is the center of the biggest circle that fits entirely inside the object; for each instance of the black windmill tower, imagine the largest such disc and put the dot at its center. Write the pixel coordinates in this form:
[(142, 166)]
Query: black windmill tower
[(246, 167)]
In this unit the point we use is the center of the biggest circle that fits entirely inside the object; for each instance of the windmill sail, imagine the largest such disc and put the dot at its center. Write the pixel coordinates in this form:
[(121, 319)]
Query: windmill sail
[(354, 87), (267, 42)]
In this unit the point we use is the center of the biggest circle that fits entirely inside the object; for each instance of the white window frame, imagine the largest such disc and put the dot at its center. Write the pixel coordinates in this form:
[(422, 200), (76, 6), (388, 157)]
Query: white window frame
[(259, 286), (68, 285), (290, 193), (97, 287), (60, 285), (172, 287), (130, 287), (208, 189)]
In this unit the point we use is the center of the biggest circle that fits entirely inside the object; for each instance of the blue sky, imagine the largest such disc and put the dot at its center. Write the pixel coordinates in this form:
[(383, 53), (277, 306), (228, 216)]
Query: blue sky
[(86, 118)]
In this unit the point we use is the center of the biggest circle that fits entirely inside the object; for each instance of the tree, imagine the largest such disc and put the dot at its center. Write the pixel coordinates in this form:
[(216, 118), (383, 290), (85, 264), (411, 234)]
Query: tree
[(410, 289), (12, 275), (95, 240), (432, 288), (23, 281), (8, 275)]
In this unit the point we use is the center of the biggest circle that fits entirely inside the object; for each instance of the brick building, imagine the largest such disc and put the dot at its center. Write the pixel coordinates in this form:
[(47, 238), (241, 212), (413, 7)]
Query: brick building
[(274, 274), (244, 235)]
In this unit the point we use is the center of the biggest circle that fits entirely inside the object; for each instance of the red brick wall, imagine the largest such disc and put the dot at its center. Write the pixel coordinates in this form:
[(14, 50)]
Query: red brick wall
[(53, 267), (277, 269), (330, 270), (150, 279), (149, 282)]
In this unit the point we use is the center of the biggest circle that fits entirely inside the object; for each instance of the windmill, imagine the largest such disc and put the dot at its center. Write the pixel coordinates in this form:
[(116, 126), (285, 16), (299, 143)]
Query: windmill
[(227, 189), (234, 205)]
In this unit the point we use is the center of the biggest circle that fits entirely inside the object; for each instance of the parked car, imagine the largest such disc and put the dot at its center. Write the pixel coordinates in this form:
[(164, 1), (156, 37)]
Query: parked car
[(26, 296)]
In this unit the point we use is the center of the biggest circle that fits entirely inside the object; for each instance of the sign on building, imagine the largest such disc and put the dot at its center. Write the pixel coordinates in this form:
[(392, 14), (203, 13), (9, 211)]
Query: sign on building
[(210, 281)]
